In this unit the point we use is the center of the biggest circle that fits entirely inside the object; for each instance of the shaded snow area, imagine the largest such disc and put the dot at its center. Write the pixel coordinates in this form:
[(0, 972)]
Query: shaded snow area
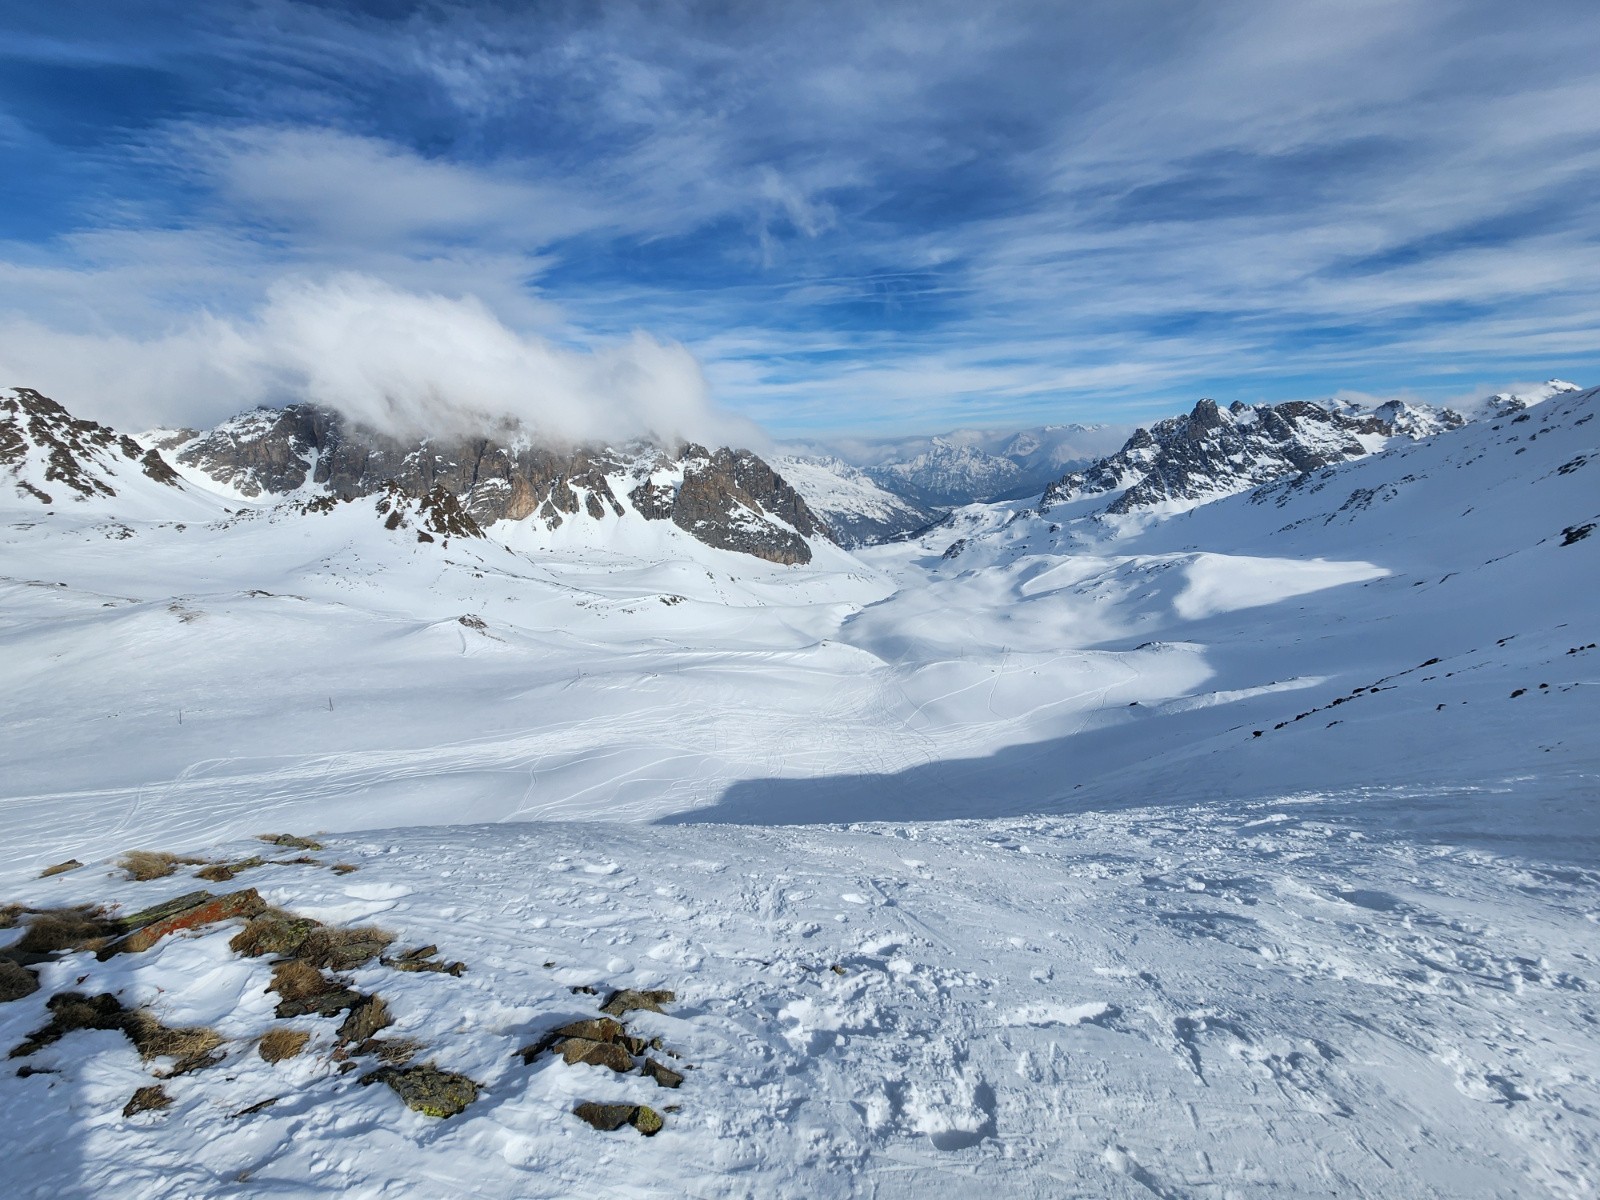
[(1246, 852)]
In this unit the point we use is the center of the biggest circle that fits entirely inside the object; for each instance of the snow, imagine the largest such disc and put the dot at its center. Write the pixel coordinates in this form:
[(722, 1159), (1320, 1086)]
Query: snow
[(1203, 854)]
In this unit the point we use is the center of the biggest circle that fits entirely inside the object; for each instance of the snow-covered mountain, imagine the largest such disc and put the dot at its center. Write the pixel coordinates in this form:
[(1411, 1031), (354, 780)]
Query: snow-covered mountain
[(51, 456), (1213, 452), (730, 499), (967, 465), (1508, 404), (858, 510)]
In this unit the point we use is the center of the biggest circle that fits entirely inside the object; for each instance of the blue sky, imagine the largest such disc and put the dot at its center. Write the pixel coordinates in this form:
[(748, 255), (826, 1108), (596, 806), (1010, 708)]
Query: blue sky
[(851, 217)]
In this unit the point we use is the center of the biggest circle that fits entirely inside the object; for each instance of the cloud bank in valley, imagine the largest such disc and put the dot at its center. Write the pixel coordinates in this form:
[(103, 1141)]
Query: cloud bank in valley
[(408, 362)]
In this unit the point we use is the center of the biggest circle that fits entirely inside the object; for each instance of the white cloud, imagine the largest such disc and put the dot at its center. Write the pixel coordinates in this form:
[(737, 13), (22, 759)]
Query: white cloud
[(408, 362)]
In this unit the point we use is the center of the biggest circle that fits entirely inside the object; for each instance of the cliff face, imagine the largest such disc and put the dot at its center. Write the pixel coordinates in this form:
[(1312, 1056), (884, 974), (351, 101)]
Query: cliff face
[(1212, 452), (728, 499)]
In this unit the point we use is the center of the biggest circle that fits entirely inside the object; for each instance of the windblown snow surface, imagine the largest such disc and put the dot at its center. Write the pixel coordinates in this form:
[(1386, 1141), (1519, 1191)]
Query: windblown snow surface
[(1249, 852)]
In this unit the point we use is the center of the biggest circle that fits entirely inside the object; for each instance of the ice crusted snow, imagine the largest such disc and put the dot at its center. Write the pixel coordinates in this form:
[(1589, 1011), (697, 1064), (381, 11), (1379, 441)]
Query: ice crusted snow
[(1250, 852)]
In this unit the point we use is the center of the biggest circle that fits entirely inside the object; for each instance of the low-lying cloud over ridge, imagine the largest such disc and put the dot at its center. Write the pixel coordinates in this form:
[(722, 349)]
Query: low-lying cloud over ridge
[(411, 363)]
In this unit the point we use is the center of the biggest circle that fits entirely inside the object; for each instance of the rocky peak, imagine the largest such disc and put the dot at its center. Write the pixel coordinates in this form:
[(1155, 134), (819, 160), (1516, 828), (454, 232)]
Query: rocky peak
[(729, 499), (1210, 452), (51, 454)]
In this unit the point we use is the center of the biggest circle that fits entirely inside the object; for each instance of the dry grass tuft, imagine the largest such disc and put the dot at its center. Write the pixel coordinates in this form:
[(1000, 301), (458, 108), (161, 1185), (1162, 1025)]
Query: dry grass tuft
[(343, 868), (154, 864), (69, 1012), (294, 979), (281, 1044), (67, 929), (72, 1011), (191, 1047), (344, 949), (61, 868), (16, 981), (147, 1099), (11, 915), (302, 990), (222, 872)]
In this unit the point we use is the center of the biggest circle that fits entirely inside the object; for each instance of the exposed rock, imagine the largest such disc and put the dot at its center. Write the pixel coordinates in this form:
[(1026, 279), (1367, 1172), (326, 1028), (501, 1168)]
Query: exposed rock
[(304, 990), (629, 1000), (664, 1075), (343, 949), (428, 1090), (605, 1117), (290, 842), (576, 1051), (147, 1099), (60, 868), (733, 500), (72, 1011), (647, 1120), (598, 1029), (367, 1016), (610, 1117), (456, 487), (245, 903), (272, 932), (422, 959), (1210, 452), (16, 981)]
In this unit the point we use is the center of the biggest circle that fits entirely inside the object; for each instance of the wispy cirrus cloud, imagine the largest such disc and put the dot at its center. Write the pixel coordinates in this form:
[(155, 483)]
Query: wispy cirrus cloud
[(868, 217)]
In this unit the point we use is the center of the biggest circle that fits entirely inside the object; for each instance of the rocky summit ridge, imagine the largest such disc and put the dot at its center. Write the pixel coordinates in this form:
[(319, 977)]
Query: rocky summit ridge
[(730, 499), (1212, 451)]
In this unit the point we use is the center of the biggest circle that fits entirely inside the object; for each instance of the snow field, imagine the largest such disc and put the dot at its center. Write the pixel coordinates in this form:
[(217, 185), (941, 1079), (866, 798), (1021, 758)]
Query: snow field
[(1248, 852)]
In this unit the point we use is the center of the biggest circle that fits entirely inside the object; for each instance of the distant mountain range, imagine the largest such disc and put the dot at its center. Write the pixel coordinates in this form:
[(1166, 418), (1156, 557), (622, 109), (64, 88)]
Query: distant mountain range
[(1213, 452), (779, 508), (966, 466)]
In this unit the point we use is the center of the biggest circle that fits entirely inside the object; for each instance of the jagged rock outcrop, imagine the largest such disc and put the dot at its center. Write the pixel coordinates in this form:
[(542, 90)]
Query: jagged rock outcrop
[(729, 499), (1212, 452), (51, 455)]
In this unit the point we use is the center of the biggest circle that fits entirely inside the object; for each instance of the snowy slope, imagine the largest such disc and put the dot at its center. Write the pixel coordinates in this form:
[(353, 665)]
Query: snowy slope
[(968, 871)]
